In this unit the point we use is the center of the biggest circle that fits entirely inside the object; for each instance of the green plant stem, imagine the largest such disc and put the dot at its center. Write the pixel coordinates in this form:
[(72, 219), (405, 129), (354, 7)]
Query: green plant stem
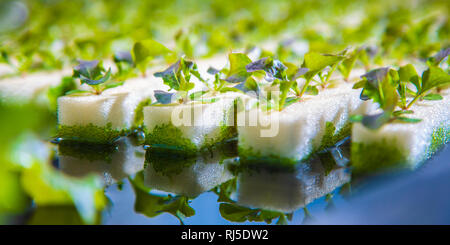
[(412, 102), (333, 68), (304, 88)]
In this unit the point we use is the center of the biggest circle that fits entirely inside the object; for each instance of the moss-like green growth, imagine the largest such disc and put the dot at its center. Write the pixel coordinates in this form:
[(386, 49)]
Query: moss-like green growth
[(331, 136), (88, 151), (167, 137), (226, 132), (376, 156), (170, 139), (139, 112), (440, 137), (90, 133), (384, 155)]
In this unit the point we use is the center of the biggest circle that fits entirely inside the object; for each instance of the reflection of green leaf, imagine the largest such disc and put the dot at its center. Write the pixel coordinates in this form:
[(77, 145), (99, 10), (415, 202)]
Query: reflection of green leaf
[(236, 213), (57, 215), (229, 210), (153, 205), (225, 190), (49, 187)]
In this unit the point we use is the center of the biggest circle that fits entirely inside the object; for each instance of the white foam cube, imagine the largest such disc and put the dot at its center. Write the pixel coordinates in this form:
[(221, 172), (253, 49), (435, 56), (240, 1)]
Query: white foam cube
[(200, 123), (116, 106), (413, 141), (293, 133)]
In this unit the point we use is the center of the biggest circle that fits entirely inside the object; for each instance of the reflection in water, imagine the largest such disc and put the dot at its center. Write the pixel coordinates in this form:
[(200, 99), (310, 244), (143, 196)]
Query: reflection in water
[(262, 192), (114, 163), (288, 190), (186, 176), (165, 183), (182, 178)]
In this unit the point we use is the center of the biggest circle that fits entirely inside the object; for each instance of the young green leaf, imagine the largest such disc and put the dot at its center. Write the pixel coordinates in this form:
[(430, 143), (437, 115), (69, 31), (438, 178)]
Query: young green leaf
[(434, 77), (249, 85), (77, 91), (123, 57), (274, 69), (379, 88), (98, 80), (212, 70), (238, 72), (178, 75), (376, 121), (316, 62), (145, 51), (439, 57), (88, 69), (407, 119), (401, 112), (407, 74), (433, 97), (347, 64), (164, 98)]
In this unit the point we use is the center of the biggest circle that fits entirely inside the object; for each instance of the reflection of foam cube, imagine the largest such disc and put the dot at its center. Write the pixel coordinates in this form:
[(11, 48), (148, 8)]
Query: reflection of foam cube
[(300, 129), (101, 118), (287, 191), (190, 179), (403, 144), (192, 126), (113, 165)]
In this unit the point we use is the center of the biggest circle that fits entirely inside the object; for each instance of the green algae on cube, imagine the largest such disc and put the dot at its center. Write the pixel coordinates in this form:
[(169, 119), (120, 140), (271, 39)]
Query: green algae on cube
[(190, 127), (294, 133), (403, 145), (104, 117)]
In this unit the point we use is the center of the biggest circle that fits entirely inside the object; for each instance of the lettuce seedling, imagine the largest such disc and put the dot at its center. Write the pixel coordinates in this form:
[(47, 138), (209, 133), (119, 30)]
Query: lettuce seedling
[(125, 65), (380, 85), (316, 64), (95, 75), (177, 77)]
